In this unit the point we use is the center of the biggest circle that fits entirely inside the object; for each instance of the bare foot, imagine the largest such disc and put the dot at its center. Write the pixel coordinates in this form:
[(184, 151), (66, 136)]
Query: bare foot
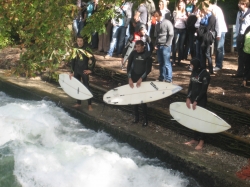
[(90, 108), (191, 142), (200, 145), (76, 106)]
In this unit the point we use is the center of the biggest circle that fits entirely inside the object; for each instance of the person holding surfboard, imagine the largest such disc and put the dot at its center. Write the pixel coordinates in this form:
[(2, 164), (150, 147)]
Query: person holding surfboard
[(129, 47), (139, 66), (197, 96), (80, 66)]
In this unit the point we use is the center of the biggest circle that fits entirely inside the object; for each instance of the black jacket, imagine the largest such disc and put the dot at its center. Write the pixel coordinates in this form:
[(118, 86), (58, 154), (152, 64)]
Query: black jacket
[(79, 64)]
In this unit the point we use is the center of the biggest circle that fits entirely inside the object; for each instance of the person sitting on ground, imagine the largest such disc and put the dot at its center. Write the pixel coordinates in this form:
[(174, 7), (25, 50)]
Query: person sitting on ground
[(140, 35), (80, 66), (139, 66), (197, 96)]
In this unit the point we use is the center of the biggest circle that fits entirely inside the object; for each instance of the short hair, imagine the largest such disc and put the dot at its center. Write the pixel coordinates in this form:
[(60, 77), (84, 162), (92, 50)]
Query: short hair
[(245, 1), (139, 42), (158, 12), (79, 36)]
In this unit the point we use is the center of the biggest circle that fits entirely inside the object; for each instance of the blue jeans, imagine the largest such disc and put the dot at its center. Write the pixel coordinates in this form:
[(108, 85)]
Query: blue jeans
[(163, 55), (127, 34), (78, 26), (118, 40), (220, 50), (182, 35)]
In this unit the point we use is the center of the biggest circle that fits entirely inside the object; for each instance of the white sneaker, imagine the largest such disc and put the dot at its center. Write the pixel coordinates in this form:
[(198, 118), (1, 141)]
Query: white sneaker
[(107, 56), (216, 69)]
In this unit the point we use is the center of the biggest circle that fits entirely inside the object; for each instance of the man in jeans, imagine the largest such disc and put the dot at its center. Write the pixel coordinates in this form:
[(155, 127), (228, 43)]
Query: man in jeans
[(118, 33), (221, 29), (164, 33)]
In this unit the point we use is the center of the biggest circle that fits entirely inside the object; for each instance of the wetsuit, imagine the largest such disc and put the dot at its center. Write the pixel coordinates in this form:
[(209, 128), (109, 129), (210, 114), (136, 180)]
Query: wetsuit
[(139, 66), (79, 64), (197, 91)]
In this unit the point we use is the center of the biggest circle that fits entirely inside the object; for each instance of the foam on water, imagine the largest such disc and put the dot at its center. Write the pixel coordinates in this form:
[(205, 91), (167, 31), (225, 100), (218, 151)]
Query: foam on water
[(52, 149)]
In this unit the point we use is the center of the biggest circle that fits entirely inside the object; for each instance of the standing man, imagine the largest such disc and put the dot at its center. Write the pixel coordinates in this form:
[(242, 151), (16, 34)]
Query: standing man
[(242, 22), (164, 33), (197, 96), (141, 14), (221, 30), (139, 66), (80, 67)]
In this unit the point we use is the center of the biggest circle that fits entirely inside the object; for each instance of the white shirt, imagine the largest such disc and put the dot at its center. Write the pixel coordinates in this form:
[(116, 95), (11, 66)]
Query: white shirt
[(245, 23), (180, 20), (220, 25)]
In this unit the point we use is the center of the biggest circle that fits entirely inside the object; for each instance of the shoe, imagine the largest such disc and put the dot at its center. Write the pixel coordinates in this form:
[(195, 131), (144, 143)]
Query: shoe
[(145, 123), (167, 81), (211, 72), (107, 56), (136, 120), (216, 69), (237, 76), (124, 68), (244, 83)]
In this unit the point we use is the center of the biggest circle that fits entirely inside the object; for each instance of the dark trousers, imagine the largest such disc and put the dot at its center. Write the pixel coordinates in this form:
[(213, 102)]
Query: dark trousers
[(206, 54), (240, 69), (135, 78), (246, 58), (85, 81)]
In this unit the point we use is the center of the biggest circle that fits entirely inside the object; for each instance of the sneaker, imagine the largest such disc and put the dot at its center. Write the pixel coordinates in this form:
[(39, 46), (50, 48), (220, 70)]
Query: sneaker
[(124, 68), (167, 81), (216, 69), (107, 56)]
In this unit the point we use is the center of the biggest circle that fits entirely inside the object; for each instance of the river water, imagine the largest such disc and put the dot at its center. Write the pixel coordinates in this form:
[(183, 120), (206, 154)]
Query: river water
[(42, 146)]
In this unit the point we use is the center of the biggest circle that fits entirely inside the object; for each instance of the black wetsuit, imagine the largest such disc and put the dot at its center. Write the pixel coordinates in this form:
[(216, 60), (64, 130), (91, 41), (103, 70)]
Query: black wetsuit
[(78, 65), (197, 91), (139, 66), (146, 39)]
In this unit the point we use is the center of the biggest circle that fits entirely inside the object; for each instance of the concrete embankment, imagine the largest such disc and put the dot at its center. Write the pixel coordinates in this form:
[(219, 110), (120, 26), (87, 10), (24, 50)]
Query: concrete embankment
[(210, 167)]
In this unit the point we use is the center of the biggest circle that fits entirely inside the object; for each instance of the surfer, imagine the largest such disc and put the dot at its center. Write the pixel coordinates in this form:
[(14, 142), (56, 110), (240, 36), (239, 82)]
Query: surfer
[(80, 66), (138, 35), (197, 96), (139, 66)]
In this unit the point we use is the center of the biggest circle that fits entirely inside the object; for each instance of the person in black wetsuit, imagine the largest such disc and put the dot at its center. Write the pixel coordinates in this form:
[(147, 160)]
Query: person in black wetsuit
[(80, 66), (139, 66), (197, 95)]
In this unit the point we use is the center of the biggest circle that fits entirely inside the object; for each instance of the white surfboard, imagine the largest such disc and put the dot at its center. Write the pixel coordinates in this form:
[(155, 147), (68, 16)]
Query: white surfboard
[(130, 49), (73, 87), (200, 119), (148, 91)]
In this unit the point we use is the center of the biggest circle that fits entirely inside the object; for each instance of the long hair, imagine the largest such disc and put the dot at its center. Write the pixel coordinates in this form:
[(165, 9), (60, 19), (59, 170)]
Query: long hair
[(184, 7)]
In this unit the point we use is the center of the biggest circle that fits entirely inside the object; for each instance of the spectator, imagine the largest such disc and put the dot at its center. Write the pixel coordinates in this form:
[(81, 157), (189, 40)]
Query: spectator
[(164, 33), (127, 8), (118, 33), (164, 10), (207, 37), (91, 9), (242, 22), (180, 18), (139, 66), (150, 10), (221, 29), (79, 21), (246, 57), (141, 14)]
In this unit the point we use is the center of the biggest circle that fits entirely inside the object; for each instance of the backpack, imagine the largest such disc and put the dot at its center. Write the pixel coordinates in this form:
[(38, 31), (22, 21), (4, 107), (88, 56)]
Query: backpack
[(201, 32)]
